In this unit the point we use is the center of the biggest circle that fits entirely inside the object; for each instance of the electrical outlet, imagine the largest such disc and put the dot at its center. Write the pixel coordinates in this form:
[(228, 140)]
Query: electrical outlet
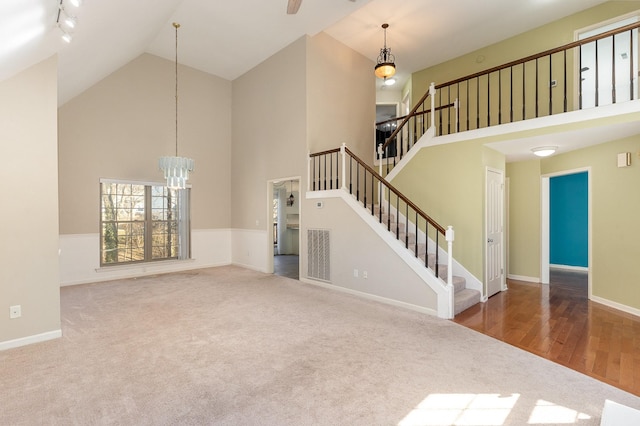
[(364, 274), (15, 311)]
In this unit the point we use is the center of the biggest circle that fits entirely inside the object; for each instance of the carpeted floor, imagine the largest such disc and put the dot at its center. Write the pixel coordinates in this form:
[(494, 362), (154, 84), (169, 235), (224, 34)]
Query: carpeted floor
[(229, 346)]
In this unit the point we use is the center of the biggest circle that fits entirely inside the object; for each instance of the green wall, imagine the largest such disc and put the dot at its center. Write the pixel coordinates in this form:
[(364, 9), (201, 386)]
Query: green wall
[(546, 37), (524, 219), (615, 212), (448, 183)]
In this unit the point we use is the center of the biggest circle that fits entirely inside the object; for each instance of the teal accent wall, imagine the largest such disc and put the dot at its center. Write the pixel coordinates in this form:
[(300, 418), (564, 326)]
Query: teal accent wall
[(569, 220)]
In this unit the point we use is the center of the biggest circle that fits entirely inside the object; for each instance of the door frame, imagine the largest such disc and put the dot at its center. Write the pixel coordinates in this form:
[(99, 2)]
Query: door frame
[(503, 281), (545, 228), (270, 186)]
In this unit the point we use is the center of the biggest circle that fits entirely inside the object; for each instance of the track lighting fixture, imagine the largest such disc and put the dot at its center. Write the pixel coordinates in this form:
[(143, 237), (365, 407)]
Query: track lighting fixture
[(65, 21), (66, 37)]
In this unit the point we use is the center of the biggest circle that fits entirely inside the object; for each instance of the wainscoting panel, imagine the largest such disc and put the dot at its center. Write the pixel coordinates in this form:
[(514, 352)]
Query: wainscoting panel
[(249, 249), (80, 258)]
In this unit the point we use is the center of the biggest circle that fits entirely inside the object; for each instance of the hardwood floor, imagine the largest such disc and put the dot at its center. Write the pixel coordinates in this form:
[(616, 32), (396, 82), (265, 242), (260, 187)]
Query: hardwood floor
[(286, 266), (559, 323)]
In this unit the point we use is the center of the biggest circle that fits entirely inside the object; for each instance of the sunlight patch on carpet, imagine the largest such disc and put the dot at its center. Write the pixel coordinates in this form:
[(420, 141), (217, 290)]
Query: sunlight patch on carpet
[(546, 412), (461, 409)]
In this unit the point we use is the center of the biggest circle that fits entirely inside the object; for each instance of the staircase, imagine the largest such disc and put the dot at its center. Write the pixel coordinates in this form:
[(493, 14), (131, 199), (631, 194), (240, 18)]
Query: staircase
[(464, 298)]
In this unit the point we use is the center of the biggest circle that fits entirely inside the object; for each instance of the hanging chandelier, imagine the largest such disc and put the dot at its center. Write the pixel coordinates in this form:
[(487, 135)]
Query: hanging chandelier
[(386, 66), (291, 198), (176, 169)]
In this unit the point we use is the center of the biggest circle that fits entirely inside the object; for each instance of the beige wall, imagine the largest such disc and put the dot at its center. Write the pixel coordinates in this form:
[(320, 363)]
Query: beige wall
[(615, 212), (119, 128), (524, 219), (355, 246), (341, 98), (29, 225), (290, 105), (269, 132), (548, 36)]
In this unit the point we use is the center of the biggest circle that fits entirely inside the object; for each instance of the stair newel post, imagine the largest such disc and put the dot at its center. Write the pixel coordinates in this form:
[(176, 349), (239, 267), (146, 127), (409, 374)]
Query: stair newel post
[(432, 94), (450, 236), (343, 155)]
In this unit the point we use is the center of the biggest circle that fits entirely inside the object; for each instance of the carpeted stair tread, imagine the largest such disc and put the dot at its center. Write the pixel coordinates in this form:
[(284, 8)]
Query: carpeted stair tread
[(403, 236), (459, 283), (465, 299)]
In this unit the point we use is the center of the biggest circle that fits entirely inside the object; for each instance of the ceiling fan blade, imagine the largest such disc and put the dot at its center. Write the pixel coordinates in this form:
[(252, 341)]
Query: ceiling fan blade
[(293, 6)]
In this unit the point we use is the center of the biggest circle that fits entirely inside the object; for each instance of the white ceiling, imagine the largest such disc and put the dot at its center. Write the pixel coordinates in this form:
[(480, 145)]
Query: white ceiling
[(228, 38)]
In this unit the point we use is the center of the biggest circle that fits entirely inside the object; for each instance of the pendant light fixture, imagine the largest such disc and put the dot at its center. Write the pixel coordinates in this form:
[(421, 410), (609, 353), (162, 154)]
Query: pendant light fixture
[(386, 66), (176, 169), (291, 198)]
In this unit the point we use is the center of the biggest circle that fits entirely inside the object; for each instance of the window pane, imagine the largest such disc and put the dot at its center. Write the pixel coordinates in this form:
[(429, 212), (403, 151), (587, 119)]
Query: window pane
[(125, 231)]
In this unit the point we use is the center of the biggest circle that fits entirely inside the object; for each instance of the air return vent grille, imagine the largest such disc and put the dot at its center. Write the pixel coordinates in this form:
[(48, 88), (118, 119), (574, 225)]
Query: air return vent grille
[(319, 250)]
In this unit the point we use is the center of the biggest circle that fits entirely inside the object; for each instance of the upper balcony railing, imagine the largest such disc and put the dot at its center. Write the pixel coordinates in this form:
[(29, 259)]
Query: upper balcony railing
[(595, 71)]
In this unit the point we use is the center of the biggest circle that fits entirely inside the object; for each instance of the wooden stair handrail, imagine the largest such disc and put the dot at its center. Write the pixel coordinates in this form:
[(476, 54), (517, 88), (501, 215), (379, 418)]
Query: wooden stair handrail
[(391, 120), (406, 119), (329, 151), (398, 194), (521, 61), (549, 52)]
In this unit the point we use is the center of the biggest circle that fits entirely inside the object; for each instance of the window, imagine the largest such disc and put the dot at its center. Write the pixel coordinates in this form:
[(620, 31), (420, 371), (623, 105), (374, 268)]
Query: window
[(142, 222)]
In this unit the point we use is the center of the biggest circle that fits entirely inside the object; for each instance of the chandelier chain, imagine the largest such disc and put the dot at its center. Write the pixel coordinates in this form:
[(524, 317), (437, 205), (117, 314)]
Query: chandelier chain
[(176, 26)]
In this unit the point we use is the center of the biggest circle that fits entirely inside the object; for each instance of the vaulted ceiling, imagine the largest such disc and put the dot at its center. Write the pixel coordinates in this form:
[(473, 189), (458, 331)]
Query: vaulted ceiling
[(228, 38)]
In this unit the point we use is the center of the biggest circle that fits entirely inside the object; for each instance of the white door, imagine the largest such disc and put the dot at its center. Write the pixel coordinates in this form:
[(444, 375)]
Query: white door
[(494, 231)]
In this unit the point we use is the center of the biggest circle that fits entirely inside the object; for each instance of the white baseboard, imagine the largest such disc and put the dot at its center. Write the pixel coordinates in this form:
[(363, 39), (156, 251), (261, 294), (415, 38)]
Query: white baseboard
[(251, 267), (570, 268), (373, 297), (36, 338), (524, 278), (616, 305)]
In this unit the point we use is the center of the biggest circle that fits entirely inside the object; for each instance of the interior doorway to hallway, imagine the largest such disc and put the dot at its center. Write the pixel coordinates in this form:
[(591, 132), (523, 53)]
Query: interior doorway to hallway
[(566, 226), (285, 238)]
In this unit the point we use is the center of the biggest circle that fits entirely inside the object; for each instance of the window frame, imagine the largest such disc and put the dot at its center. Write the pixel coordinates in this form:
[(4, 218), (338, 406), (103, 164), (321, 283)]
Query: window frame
[(181, 225)]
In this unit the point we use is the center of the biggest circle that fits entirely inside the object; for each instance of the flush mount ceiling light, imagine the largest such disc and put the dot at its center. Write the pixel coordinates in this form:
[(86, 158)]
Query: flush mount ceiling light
[(176, 169), (386, 66), (544, 151), (389, 81)]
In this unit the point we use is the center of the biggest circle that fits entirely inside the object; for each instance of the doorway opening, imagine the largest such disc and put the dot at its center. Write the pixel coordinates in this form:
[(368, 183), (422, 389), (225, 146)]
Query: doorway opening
[(566, 228), (386, 114), (285, 218)]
